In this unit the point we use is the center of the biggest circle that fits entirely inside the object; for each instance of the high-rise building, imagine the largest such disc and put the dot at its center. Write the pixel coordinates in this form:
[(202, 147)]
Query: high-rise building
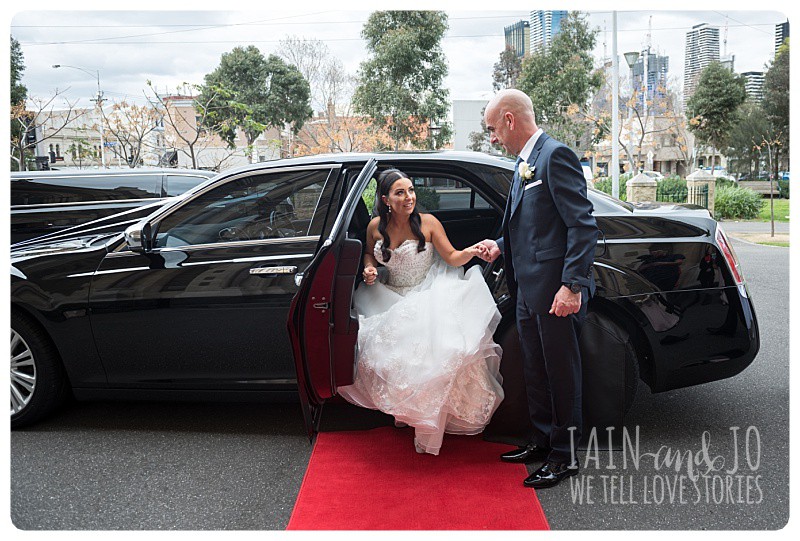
[(518, 37), (781, 33), (702, 48), (754, 85), (657, 68), (728, 61), (544, 25)]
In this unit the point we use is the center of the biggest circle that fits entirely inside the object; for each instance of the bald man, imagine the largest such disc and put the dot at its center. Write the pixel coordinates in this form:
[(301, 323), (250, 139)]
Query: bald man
[(548, 243)]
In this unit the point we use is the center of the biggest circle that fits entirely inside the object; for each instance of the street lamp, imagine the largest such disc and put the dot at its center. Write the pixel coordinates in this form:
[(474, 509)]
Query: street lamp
[(631, 58), (99, 103)]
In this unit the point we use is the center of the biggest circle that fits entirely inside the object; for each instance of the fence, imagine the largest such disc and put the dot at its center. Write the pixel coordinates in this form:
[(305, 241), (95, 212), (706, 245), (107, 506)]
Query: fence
[(697, 195)]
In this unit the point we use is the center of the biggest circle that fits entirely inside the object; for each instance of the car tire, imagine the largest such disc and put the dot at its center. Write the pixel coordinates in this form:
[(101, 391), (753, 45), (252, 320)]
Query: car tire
[(38, 382), (610, 368)]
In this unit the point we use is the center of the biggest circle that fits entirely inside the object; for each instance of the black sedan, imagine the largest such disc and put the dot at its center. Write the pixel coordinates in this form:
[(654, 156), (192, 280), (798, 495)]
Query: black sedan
[(241, 290)]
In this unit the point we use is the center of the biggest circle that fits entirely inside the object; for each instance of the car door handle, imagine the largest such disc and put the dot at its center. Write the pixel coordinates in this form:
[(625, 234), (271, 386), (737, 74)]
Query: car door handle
[(287, 269)]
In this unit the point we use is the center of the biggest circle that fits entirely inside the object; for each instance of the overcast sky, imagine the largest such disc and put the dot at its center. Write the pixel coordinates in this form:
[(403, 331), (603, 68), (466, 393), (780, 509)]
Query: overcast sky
[(170, 47)]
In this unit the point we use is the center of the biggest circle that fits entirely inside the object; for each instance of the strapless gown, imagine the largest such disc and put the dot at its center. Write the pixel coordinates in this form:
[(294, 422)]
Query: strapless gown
[(425, 350)]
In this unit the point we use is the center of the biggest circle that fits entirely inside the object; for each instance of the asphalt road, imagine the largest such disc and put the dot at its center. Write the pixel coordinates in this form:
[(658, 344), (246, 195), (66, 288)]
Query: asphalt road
[(131, 466)]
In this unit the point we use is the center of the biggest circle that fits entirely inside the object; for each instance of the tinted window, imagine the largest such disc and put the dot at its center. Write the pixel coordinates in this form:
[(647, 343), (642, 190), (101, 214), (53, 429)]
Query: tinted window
[(444, 193), (178, 184), (271, 205), (79, 188)]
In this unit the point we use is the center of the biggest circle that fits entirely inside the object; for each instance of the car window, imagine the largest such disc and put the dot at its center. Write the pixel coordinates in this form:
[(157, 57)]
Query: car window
[(49, 190), (445, 193), (178, 184), (264, 206)]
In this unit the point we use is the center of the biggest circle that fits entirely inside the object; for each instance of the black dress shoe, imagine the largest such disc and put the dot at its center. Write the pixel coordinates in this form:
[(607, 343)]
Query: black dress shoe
[(523, 455), (550, 474)]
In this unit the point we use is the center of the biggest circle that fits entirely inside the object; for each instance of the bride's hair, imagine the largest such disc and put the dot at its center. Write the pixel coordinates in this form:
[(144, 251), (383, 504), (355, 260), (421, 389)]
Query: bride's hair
[(385, 181)]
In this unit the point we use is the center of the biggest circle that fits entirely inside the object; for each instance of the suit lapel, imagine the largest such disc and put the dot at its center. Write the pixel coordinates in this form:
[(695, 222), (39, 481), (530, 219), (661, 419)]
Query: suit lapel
[(537, 148)]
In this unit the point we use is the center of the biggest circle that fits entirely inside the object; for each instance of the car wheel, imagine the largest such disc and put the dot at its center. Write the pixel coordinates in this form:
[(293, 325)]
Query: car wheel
[(610, 370), (38, 382)]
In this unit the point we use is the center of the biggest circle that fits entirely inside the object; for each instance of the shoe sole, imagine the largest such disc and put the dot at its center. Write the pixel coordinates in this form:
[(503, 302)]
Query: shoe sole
[(549, 484)]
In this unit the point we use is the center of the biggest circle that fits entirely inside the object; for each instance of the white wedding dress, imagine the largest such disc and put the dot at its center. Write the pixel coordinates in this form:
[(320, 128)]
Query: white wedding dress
[(425, 349)]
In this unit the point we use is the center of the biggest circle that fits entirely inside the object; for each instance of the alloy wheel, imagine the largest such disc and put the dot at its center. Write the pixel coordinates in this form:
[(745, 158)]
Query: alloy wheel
[(23, 373)]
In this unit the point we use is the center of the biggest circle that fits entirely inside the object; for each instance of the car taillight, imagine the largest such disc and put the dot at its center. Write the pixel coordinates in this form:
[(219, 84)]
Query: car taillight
[(730, 256)]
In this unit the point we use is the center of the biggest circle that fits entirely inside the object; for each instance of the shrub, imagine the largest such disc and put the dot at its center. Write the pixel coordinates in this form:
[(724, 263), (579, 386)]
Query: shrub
[(783, 188), (672, 189), (733, 202), (604, 185), (427, 198), (723, 182)]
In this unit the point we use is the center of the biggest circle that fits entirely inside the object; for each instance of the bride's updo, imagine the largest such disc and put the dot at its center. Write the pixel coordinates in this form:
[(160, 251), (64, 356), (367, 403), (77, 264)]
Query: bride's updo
[(385, 181)]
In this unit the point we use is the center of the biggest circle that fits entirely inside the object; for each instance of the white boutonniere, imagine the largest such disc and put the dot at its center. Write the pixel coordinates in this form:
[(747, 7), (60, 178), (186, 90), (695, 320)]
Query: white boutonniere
[(526, 171)]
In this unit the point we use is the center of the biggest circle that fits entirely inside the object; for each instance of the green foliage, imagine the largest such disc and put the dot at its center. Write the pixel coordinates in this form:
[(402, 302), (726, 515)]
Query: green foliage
[(722, 182), (752, 127), (18, 91), (781, 208), (262, 93), (562, 77), (672, 188), (506, 70), (783, 188), (732, 202), (368, 195), (604, 185), (427, 198), (713, 109), (400, 84)]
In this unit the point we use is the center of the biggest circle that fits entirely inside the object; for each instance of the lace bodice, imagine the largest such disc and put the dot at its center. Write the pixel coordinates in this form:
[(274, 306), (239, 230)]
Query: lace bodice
[(407, 267)]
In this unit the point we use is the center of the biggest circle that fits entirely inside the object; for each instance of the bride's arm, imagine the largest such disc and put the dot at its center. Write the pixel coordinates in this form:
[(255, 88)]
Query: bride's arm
[(451, 256), (370, 263)]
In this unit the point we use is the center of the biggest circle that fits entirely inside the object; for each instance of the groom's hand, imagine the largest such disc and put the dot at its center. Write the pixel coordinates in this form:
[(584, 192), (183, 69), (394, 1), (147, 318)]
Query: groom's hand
[(492, 250), (565, 302)]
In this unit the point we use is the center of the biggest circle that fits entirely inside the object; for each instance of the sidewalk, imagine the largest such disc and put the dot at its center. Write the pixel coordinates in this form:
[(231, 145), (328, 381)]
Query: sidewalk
[(758, 232)]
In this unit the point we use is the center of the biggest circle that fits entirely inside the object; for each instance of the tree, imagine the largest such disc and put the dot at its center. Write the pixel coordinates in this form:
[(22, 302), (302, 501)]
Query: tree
[(776, 103), (400, 85), (561, 79), (264, 93), (506, 70), (18, 90), (745, 136), (132, 127), (25, 120), (713, 108)]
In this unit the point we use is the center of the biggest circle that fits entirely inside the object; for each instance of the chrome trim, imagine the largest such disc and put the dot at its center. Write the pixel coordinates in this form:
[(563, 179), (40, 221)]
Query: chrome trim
[(256, 242), (110, 271), (84, 203), (250, 259), (286, 269)]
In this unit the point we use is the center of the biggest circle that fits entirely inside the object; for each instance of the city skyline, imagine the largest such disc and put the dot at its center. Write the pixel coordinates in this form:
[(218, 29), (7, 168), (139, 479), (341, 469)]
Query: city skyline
[(170, 48)]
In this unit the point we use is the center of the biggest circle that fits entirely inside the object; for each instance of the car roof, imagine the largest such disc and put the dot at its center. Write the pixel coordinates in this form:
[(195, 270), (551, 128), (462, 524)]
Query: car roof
[(107, 172), (361, 157)]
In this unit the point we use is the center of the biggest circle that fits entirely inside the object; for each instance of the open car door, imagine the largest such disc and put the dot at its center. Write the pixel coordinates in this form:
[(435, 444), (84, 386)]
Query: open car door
[(322, 325)]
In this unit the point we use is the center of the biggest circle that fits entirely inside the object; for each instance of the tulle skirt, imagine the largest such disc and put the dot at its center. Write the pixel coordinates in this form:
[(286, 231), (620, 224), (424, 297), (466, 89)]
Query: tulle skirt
[(426, 354)]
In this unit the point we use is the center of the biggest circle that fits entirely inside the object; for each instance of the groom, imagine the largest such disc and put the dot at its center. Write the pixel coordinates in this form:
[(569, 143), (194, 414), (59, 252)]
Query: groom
[(549, 238)]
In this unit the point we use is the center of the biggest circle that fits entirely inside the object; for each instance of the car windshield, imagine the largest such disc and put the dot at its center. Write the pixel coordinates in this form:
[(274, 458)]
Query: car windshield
[(604, 203)]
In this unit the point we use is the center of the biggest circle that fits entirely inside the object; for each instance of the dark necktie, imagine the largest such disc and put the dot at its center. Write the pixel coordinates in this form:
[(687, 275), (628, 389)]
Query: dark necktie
[(515, 184)]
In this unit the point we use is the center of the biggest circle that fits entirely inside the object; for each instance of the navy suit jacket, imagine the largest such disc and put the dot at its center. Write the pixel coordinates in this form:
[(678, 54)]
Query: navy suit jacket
[(550, 234)]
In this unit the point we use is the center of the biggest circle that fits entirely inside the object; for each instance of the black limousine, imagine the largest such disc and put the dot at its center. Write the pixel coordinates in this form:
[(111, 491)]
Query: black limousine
[(242, 288)]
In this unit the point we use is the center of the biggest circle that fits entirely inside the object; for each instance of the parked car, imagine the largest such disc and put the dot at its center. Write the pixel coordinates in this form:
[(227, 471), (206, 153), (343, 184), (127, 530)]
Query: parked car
[(47, 201), (655, 175), (242, 289)]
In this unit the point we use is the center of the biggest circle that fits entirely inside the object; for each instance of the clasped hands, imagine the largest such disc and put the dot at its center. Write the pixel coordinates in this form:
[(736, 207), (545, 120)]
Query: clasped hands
[(565, 301)]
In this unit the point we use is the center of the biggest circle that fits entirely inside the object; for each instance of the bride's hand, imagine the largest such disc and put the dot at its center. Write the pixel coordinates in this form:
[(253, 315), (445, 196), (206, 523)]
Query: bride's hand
[(478, 250), (370, 274)]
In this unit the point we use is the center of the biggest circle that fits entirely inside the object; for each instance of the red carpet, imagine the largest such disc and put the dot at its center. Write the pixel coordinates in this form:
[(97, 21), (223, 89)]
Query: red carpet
[(374, 480)]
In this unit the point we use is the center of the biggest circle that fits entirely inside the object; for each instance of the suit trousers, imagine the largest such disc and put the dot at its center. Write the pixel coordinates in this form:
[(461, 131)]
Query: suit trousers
[(552, 369)]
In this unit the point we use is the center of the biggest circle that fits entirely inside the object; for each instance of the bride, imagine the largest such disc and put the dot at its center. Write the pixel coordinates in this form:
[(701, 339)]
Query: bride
[(425, 349)]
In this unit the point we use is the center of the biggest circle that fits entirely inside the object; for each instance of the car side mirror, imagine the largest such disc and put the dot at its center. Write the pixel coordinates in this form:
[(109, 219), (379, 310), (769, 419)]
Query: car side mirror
[(138, 237)]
